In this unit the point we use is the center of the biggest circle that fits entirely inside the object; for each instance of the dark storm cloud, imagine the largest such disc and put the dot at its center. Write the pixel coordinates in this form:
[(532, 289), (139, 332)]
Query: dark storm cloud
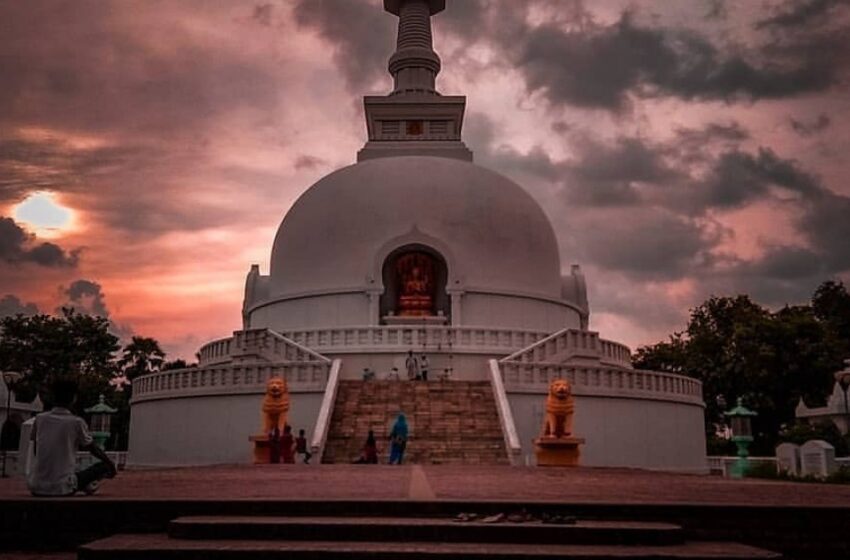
[(826, 223), (263, 14), (789, 263), (739, 177), (306, 161), (362, 35), (811, 128), (600, 66), (86, 297), (612, 174), (11, 305), (716, 9), (578, 62), (17, 246), (799, 13), (651, 243)]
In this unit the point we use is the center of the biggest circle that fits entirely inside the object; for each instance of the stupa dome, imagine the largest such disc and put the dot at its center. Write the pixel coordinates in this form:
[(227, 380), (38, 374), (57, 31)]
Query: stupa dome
[(490, 231)]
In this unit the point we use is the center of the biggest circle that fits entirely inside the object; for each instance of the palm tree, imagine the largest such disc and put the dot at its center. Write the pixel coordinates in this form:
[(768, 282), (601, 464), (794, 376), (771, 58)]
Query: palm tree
[(142, 355)]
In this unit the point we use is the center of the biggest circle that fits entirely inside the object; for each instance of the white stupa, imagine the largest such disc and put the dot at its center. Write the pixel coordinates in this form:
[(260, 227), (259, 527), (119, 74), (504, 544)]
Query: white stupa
[(415, 247)]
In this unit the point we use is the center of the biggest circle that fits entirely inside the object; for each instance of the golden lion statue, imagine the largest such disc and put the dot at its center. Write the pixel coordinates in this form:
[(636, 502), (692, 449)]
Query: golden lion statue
[(560, 404), (275, 405)]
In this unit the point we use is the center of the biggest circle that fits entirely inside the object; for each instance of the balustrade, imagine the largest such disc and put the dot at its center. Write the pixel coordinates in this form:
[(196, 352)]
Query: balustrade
[(217, 379), (527, 375)]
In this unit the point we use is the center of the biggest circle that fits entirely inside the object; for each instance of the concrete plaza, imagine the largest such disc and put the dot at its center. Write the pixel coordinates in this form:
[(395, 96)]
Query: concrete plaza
[(452, 483)]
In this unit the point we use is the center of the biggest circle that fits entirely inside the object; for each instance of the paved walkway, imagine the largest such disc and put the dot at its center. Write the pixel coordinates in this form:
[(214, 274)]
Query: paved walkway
[(444, 482)]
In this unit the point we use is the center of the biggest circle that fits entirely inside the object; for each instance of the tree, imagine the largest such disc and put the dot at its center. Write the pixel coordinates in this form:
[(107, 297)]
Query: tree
[(42, 347), (770, 359), (142, 355), (179, 363), (831, 304)]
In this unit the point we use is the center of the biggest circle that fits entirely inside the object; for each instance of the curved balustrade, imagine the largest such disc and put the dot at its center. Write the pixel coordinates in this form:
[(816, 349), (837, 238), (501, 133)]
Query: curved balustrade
[(230, 379), (602, 381), (215, 352), (571, 343), (401, 338)]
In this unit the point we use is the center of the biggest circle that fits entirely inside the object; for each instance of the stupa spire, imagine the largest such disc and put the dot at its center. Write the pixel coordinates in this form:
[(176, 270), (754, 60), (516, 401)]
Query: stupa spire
[(414, 119), (414, 65)]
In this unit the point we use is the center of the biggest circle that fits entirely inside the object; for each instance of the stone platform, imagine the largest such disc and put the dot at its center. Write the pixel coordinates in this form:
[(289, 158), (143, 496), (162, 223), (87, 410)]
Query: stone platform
[(805, 519)]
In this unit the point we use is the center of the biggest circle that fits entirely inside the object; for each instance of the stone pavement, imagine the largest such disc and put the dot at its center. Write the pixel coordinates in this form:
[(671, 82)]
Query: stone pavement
[(452, 482)]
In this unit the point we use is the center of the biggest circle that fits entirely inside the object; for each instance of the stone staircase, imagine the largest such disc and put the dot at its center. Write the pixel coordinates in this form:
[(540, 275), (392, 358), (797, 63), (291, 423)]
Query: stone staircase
[(449, 421), (426, 538)]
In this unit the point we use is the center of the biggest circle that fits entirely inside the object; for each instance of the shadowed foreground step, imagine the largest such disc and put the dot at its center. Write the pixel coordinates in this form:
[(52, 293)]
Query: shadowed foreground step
[(422, 530), (137, 547)]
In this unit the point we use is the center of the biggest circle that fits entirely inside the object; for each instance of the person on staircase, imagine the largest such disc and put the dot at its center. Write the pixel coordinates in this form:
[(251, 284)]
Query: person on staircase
[(398, 440), (369, 455), (423, 367), (411, 364)]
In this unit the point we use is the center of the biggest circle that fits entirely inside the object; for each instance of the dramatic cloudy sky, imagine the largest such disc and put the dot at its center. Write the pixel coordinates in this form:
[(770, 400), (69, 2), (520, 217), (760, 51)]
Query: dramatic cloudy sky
[(681, 149)]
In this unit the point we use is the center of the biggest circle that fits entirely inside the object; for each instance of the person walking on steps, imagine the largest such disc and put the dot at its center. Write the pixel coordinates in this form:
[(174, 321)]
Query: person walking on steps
[(56, 437), (369, 455), (423, 367), (398, 440)]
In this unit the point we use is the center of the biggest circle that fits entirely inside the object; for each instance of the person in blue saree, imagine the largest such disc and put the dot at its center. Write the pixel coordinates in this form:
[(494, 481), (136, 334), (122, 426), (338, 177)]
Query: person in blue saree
[(398, 440)]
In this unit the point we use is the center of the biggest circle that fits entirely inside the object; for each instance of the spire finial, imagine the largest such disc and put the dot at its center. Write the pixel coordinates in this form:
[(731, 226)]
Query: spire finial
[(414, 65)]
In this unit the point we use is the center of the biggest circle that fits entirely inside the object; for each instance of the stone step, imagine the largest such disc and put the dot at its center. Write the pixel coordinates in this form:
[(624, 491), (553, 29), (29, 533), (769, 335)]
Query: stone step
[(450, 422), (413, 529), (161, 547)]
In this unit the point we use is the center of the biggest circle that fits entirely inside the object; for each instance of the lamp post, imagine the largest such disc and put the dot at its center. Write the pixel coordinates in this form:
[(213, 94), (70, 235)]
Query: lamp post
[(742, 436), (101, 421), (843, 379), (9, 379)]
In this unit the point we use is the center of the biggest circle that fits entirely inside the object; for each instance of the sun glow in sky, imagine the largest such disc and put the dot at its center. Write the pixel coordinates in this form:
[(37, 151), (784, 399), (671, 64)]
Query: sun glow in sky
[(44, 215)]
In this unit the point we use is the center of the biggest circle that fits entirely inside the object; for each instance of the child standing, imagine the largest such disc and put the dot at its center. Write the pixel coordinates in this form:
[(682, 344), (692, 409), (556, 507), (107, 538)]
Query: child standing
[(301, 447)]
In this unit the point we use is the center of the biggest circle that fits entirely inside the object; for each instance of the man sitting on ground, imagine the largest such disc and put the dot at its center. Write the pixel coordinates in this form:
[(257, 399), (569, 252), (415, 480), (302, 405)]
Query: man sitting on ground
[(56, 437)]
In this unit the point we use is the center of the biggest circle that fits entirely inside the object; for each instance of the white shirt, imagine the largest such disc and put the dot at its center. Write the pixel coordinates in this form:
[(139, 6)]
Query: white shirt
[(57, 436)]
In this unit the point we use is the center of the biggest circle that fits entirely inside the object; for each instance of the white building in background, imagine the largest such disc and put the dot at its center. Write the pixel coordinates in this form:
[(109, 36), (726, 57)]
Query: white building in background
[(415, 247)]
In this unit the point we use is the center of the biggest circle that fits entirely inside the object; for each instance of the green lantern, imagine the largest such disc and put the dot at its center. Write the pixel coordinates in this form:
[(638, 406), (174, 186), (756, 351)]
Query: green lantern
[(742, 435), (101, 420)]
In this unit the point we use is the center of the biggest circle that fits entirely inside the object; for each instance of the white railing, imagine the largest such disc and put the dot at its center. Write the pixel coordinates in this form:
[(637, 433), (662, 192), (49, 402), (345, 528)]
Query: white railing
[(323, 421), (394, 338), (214, 352), (506, 417), (602, 381), (272, 346), (571, 343), (230, 379)]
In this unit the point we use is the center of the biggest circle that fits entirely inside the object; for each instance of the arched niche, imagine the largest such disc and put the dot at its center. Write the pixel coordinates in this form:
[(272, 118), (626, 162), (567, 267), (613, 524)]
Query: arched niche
[(415, 277)]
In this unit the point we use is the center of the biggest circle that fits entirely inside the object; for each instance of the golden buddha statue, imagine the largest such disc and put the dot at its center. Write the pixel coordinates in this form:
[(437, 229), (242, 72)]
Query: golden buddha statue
[(416, 297)]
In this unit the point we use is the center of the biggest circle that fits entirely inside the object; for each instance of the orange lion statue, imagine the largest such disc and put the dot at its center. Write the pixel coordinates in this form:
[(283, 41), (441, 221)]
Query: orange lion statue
[(559, 410), (275, 405)]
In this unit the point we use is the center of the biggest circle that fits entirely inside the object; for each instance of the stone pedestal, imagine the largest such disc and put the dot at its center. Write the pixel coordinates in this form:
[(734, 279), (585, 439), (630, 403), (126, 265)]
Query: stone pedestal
[(262, 449), (558, 451)]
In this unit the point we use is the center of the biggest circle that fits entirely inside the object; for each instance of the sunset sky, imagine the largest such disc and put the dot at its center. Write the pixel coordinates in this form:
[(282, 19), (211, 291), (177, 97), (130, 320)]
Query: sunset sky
[(149, 150)]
